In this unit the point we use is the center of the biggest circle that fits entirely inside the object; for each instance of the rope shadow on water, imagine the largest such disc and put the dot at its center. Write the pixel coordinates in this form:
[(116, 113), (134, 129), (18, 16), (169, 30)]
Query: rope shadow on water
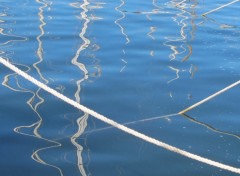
[(209, 126)]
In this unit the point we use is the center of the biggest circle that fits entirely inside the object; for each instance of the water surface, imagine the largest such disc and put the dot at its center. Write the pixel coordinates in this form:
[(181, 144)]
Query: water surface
[(128, 61)]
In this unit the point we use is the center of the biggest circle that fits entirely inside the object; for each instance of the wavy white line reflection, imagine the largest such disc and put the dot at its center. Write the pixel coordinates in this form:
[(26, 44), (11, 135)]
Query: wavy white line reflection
[(177, 74), (81, 121), (117, 22), (10, 38), (35, 125), (7, 38), (174, 40), (180, 46), (82, 124), (157, 10), (36, 100), (152, 30), (184, 15), (42, 32)]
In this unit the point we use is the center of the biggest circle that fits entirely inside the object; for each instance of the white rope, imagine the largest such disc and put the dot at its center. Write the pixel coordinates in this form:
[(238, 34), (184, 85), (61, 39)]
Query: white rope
[(220, 7), (210, 97), (117, 125), (180, 2)]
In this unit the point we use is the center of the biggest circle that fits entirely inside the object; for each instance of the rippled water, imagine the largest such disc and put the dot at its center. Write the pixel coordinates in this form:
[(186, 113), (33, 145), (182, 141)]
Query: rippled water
[(128, 61)]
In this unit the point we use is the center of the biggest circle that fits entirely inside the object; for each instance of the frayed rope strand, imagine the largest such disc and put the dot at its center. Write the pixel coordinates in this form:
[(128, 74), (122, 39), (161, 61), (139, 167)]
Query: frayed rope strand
[(117, 125)]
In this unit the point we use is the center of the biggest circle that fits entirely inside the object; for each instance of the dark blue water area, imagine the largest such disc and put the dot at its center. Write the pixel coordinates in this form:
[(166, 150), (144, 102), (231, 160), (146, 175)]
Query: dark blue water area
[(137, 63)]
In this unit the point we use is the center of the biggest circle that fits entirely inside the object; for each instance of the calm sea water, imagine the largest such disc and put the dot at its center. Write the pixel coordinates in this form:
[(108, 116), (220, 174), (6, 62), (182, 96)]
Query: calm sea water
[(128, 61)]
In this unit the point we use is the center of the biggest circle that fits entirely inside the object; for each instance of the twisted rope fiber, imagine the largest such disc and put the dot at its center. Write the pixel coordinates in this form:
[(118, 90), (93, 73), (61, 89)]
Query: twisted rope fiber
[(117, 125)]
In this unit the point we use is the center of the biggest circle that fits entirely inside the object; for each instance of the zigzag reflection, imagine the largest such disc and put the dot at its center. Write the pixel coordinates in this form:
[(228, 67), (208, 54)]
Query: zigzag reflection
[(157, 9), (180, 46), (174, 40), (42, 32), (35, 125), (9, 38), (117, 22), (37, 100), (5, 37), (81, 121), (35, 96)]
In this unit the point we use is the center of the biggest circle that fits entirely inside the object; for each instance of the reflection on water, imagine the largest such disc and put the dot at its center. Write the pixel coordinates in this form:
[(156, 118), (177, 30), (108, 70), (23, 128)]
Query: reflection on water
[(6, 38), (73, 143), (36, 100), (181, 46), (177, 73), (152, 29), (42, 32), (191, 119), (118, 23), (227, 25), (81, 121)]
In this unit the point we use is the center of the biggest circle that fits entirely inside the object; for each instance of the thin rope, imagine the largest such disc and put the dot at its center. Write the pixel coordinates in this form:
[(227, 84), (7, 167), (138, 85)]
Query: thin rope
[(210, 97), (117, 125), (220, 7), (125, 124), (134, 122), (180, 2)]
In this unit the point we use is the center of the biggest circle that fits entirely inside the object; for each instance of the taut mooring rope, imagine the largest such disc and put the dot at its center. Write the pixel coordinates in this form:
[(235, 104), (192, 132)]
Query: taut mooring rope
[(117, 125), (210, 97), (220, 7)]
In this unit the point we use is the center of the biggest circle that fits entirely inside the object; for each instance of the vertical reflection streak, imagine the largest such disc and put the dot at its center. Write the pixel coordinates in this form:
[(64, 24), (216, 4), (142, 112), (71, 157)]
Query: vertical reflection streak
[(35, 155), (40, 47), (81, 121), (153, 29), (37, 124), (193, 28), (183, 37), (180, 45), (86, 43), (19, 88), (117, 22), (82, 124), (36, 97)]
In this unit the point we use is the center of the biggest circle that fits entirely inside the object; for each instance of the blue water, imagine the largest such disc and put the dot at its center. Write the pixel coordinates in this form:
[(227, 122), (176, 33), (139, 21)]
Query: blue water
[(128, 61)]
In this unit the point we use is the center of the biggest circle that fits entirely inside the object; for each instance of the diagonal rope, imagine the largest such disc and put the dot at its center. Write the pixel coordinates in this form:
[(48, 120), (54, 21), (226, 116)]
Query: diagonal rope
[(220, 7), (117, 125), (210, 97)]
